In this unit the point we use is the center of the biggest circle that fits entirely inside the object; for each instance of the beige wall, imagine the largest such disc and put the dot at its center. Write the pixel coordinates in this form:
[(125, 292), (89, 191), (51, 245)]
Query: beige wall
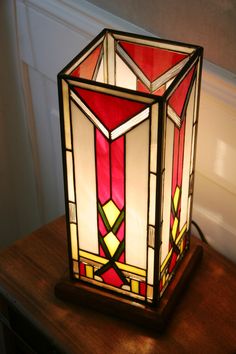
[(18, 204), (209, 23)]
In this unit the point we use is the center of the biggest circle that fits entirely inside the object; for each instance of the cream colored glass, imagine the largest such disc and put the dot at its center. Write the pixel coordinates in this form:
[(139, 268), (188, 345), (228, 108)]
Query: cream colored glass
[(85, 180), (137, 152), (167, 189)]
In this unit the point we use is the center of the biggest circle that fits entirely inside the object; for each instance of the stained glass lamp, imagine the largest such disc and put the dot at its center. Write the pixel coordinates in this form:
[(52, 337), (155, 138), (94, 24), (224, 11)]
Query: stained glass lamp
[(129, 116)]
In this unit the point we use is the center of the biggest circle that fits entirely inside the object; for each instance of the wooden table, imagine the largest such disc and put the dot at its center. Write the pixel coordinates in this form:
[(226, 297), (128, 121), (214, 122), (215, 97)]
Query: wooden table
[(204, 320)]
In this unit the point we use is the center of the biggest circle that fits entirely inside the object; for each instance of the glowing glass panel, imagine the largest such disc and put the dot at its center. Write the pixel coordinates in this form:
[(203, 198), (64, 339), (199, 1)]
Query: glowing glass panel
[(70, 178), (111, 211), (112, 243), (83, 138), (111, 110), (124, 76), (74, 242), (137, 157), (87, 68), (115, 170), (152, 61), (134, 286)]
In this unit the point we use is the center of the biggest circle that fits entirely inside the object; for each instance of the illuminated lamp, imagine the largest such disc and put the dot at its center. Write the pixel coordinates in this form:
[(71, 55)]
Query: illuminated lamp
[(129, 117)]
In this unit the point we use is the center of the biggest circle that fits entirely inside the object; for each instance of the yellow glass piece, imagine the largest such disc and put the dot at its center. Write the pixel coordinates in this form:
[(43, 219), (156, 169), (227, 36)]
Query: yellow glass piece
[(163, 279), (111, 211), (150, 272), (76, 267), (134, 286), (92, 257), (177, 240), (166, 260), (131, 269), (70, 177), (175, 228), (176, 198), (149, 292), (181, 232), (89, 271), (74, 243), (112, 243), (66, 111)]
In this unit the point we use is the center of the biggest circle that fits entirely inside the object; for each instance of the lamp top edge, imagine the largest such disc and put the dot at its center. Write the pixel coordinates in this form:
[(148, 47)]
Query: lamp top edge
[(152, 38), (96, 39), (68, 78)]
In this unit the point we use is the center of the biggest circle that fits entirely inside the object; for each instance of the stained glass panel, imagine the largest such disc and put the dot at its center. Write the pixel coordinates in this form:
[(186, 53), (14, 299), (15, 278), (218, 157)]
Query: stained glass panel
[(152, 61), (86, 69), (111, 110), (129, 122)]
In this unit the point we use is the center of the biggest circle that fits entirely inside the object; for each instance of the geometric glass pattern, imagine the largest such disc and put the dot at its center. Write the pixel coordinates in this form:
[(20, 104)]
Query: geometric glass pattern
[(129, 116)]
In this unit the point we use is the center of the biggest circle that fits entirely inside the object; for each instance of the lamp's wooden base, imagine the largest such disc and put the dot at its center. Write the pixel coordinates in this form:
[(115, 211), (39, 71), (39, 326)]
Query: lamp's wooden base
[(153, 317)]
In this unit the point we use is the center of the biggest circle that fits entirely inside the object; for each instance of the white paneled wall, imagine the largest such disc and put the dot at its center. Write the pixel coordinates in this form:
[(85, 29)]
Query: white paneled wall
[(215, 183), (50, 33)]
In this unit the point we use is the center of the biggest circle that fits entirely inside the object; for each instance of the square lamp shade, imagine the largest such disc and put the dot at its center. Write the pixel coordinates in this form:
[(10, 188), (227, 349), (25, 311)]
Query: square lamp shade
[(129, 116)]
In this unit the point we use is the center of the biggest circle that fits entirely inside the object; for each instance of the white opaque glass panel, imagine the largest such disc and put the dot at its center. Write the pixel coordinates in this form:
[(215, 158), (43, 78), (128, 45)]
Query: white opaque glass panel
[(72, 212), (167, 189), (111, 59), (66, 113), (192, 151), (151, 236), (154, 118), (124, 76), (100, 74), (137, 152), (74, 242), (150, 273), (187, 157), (152, 199), (188, 212), (85, 180), (70, 179)]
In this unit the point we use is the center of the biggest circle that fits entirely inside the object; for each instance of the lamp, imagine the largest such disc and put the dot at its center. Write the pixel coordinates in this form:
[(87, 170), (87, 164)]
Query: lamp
[(129, 108)]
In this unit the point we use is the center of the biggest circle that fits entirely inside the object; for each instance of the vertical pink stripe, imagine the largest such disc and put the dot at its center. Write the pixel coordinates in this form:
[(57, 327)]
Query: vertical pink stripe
[(181, 154), (101, 252), (175, 160), (101, 226), (117, 171), (103, 167)]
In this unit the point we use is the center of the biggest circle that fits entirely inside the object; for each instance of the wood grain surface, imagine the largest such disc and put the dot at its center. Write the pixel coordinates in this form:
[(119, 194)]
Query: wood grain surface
[(204, 320)]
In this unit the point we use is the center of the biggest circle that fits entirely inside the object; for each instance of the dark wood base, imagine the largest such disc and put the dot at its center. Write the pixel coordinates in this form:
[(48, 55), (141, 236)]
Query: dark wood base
[(153, 317)]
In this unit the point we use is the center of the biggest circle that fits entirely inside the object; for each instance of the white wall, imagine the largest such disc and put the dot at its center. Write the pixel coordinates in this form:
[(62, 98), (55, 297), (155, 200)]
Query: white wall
[(18, 200), (50, 33), (210, 23)]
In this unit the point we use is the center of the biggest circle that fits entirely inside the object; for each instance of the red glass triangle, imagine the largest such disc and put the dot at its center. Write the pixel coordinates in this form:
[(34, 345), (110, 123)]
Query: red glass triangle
[(110, 110), (87, 67), (112, 278), (178, 98), (151, 60)]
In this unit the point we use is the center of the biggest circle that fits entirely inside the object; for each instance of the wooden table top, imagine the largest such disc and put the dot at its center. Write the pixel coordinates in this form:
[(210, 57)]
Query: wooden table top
[(204, 320)]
